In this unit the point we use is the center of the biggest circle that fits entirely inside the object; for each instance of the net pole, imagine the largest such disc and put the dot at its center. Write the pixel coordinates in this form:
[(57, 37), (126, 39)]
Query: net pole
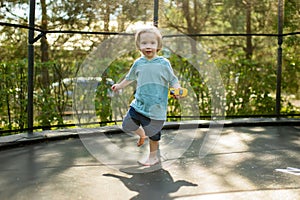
[(30, 67), (279, 58), (155, 16)]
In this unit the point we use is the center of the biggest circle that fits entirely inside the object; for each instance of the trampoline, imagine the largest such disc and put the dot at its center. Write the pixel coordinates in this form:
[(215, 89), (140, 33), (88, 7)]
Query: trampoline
[(243, 164)]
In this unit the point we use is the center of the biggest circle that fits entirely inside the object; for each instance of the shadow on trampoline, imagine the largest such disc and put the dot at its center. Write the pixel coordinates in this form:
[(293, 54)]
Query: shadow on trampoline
[(152, 185)]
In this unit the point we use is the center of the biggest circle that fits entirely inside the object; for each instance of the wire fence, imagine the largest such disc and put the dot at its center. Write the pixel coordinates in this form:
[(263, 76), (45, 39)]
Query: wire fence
[(45, 32)]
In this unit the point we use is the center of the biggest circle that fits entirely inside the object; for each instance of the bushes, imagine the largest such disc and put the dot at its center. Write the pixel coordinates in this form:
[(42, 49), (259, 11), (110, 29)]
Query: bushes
[(250, 90), (13, 94)]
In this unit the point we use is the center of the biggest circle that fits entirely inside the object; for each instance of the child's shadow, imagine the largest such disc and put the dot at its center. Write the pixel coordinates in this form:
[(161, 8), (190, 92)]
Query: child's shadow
[(152, 185)]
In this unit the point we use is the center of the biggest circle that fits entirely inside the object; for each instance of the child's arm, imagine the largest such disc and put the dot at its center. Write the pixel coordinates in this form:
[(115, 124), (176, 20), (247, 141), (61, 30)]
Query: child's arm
[(121, 85)]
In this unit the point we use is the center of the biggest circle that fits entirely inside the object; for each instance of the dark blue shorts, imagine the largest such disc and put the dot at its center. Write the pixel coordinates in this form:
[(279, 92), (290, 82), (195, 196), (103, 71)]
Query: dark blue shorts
[(133, 120)]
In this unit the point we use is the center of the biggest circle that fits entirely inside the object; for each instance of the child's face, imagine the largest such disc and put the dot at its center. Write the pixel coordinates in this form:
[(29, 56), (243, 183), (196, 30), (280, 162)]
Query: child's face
[(148, 45)]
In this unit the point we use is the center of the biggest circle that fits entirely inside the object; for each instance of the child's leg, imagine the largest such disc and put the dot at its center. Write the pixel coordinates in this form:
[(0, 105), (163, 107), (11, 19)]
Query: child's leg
[(131, 123), (153, 149), (153, 131), (140, 132), (153, 158)]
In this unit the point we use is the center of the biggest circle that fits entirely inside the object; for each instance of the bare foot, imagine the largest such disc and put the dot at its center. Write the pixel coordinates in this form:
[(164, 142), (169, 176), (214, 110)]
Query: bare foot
[(141, 141), (149, 162)]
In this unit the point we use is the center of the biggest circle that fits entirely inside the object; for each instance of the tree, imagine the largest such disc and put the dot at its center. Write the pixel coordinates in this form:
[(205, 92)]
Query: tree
[(291, 70), (193, 17)]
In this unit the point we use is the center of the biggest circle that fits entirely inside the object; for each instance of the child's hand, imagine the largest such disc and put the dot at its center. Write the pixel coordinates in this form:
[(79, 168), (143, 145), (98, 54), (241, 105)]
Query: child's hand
[(177, 97), (115, 87)]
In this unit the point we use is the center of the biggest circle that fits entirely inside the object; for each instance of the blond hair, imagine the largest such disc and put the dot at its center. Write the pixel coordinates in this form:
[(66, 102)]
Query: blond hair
[(149, 30)]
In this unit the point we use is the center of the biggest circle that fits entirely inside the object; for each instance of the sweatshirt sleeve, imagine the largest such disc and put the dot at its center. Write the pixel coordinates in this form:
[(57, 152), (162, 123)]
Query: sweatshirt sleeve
[(131, 75), (172, 77)]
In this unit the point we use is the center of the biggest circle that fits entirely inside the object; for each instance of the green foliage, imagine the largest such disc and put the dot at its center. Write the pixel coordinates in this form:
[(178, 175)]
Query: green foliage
[(246, 94), (46, 109), (13, 95), (103, 100), (291, 15)]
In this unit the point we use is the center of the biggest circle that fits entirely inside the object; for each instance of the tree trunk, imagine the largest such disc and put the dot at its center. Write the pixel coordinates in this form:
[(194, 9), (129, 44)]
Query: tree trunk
[(44, 78), (44, 46), (190, 24)]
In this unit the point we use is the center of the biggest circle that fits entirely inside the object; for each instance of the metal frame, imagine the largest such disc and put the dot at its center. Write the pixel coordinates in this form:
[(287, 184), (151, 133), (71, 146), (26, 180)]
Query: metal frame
[(30, 66)]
